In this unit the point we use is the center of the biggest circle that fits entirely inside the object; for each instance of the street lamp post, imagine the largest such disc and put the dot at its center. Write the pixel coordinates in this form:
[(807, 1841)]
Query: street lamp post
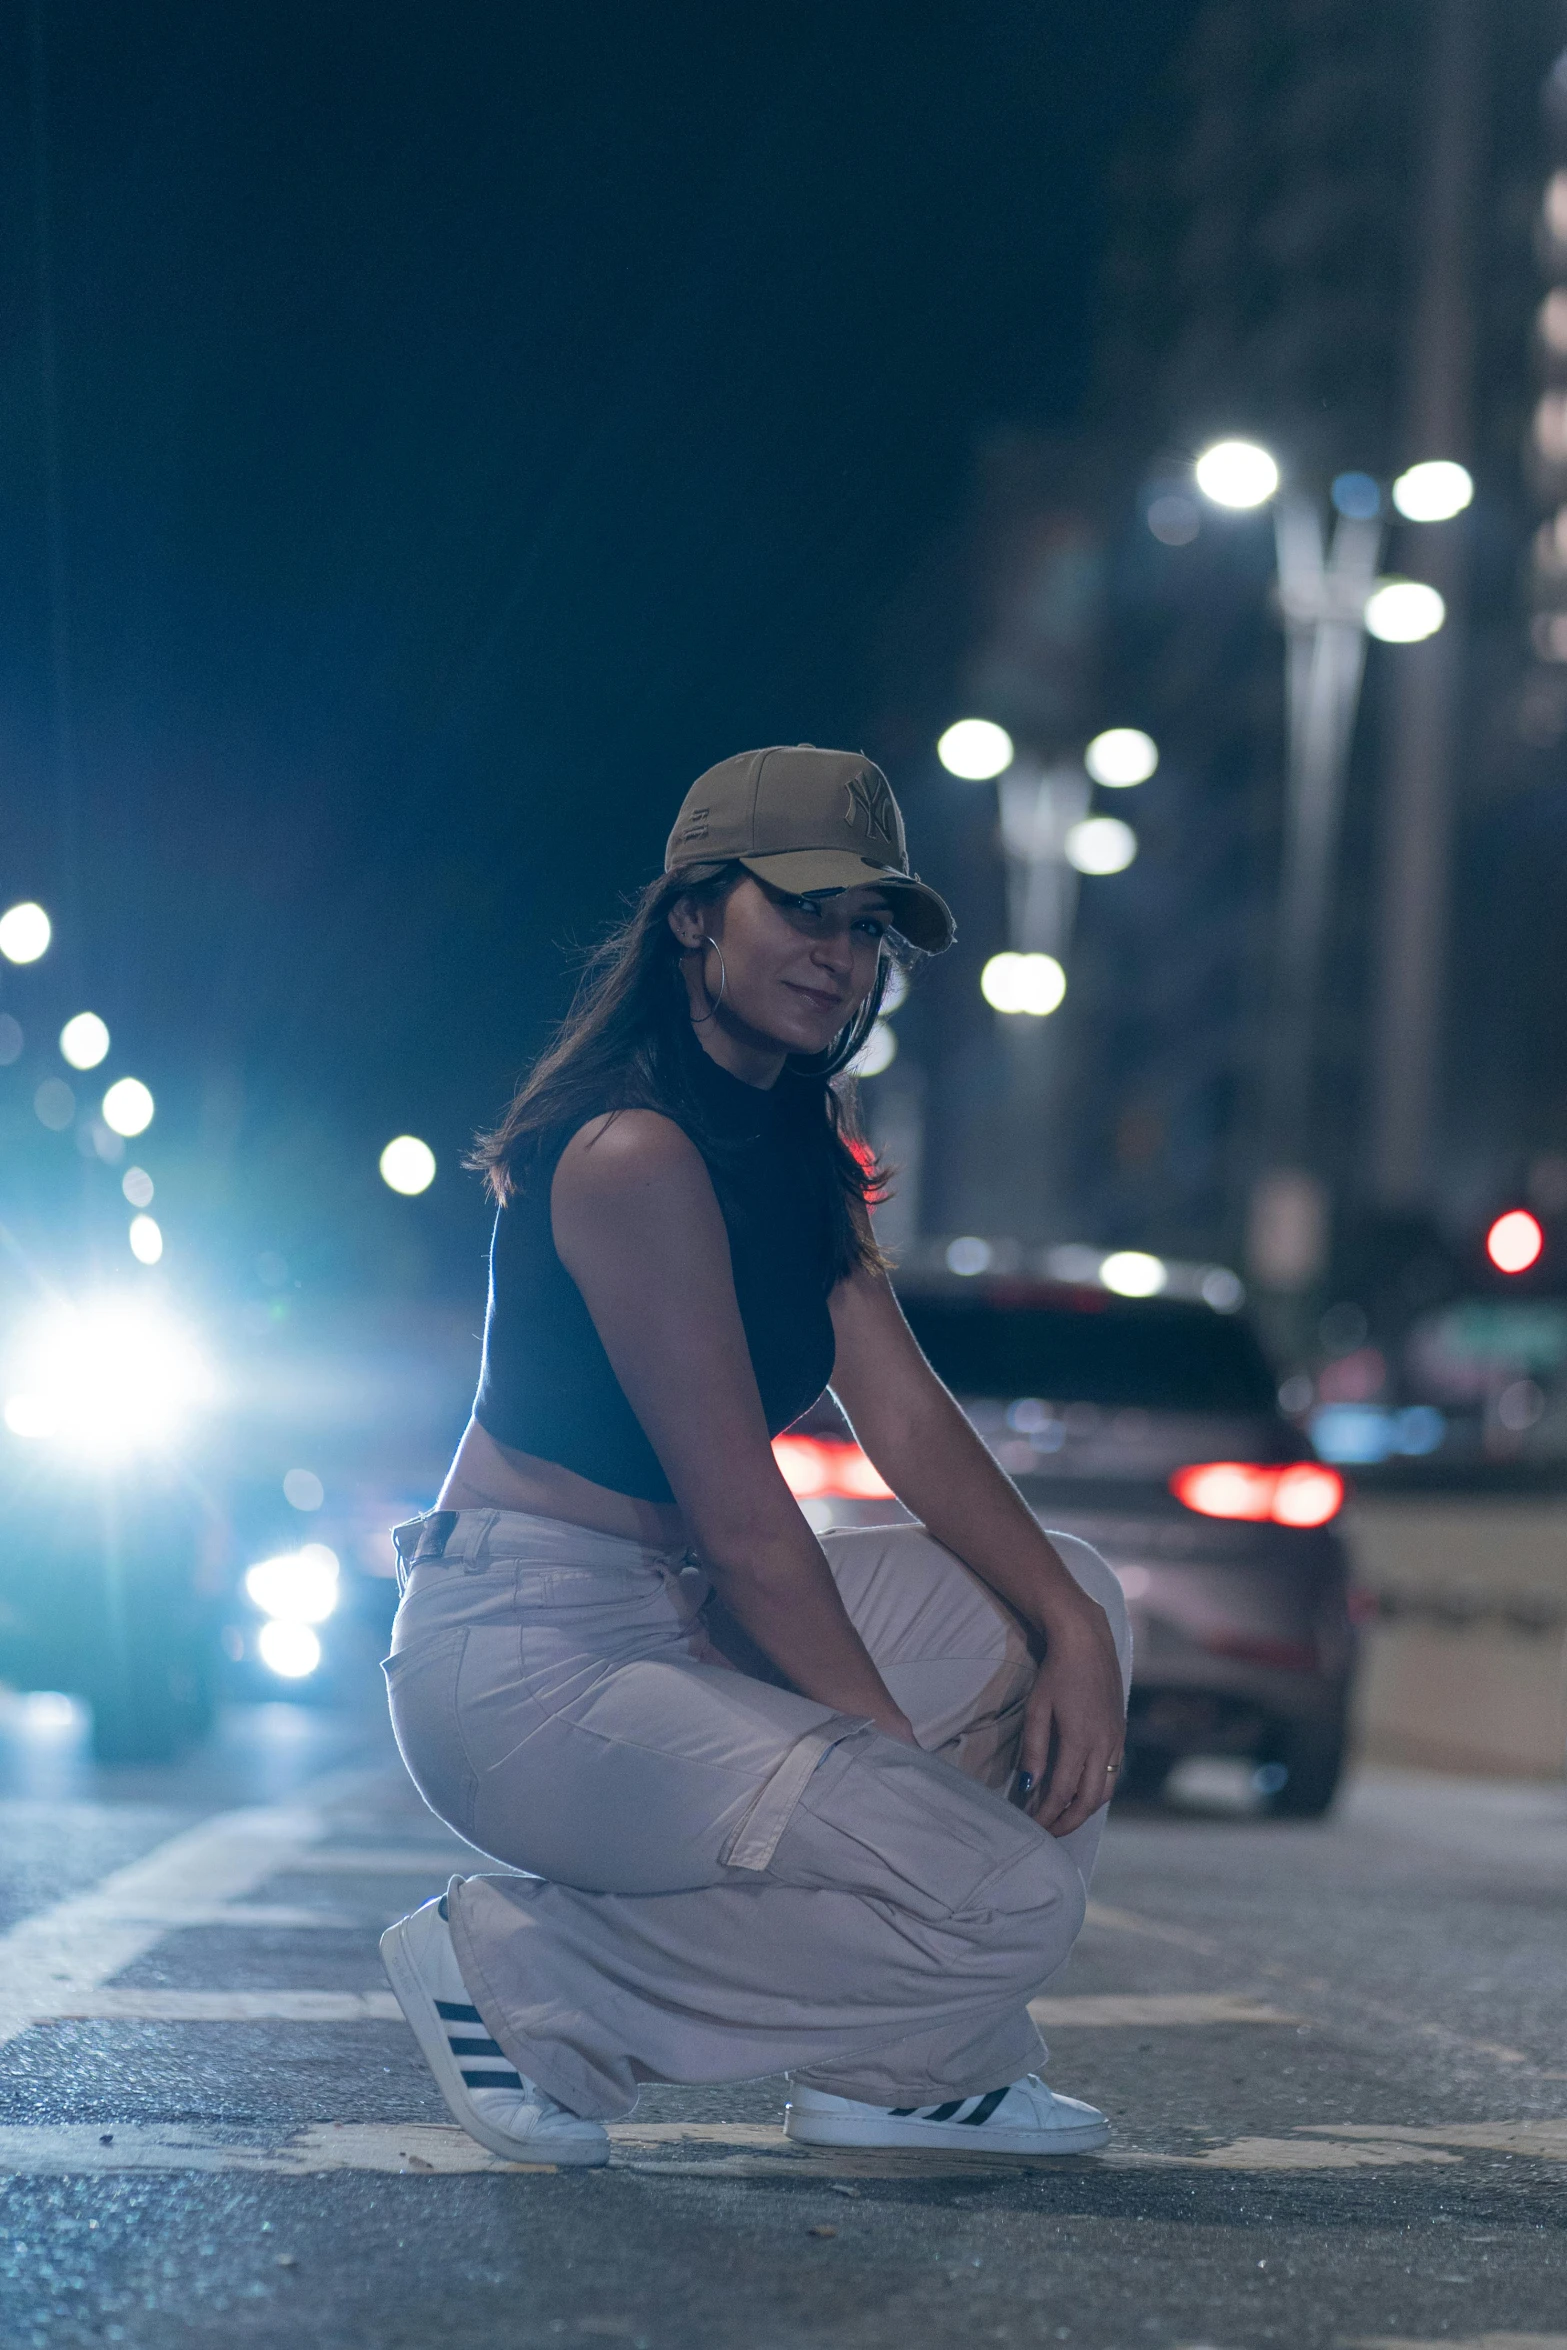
[(1331, 599)]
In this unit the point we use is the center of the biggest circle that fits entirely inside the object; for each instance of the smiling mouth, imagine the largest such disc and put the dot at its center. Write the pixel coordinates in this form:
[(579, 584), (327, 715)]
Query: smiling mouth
[(817, 995)]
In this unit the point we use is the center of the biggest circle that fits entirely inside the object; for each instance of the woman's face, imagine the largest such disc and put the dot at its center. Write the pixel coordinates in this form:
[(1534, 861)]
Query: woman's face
[(794, 970)]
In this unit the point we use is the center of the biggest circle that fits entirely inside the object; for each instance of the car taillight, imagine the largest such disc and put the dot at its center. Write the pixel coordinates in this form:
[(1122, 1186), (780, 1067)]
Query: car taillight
[(821, 1467), (1302, 1494)]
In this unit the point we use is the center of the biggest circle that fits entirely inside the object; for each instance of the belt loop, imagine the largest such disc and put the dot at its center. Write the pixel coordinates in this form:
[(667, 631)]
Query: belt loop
[(475, 1538), (421, 1541)]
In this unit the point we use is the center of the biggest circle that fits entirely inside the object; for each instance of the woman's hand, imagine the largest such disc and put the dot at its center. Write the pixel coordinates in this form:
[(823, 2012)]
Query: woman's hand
[(1076, 1704)]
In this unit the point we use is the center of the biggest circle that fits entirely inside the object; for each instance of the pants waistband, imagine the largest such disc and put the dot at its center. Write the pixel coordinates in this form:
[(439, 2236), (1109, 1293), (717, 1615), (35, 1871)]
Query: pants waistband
[(472, 1538)]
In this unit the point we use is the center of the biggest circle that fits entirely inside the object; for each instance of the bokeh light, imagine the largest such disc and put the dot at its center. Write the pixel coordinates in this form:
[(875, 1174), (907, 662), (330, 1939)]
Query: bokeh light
[(1404, 611), (1237, 474), (54, 1104), (84, 1041), (1514, 1241), (25, 932), (408, 1165), (1101, 844), (1174, 520), (878, 1052), (1131, 1272), (137, 1186), (128, 1106), (290, 1650), (11, 1040), (303, 1490), (1357, 496), (300, 1587), (146, 1238), (969, 1255), (975, 749), (1120, 756), (1434, 491), (1033, 985)]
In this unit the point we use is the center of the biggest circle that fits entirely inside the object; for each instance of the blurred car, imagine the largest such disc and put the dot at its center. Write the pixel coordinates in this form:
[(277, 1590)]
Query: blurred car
[(1151, 1427), (110, 1569)]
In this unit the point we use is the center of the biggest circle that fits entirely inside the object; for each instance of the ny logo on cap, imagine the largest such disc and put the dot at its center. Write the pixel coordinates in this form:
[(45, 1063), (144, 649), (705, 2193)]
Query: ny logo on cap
[(871, 802)]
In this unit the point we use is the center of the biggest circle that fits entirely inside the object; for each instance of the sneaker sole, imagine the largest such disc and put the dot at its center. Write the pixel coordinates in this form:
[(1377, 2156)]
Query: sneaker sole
[(833, 2129), (430, 2032)]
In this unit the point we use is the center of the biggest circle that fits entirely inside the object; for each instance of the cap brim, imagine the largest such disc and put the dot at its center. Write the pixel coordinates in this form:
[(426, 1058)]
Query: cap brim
[(924, 918)]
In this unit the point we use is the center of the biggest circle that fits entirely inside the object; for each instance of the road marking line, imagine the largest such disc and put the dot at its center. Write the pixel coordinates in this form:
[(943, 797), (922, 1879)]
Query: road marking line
[(1127, 1921), (258, 1916), (1301, 2154), (1470, 2342), (737, 2150), (1140, 2010), (1546, 2140), (226, 2007), (93, 2003), (65, 1953), (364, 1860)]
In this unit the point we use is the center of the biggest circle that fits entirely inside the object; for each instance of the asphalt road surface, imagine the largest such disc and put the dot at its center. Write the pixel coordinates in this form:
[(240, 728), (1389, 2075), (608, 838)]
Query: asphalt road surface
[(1335, 2057)]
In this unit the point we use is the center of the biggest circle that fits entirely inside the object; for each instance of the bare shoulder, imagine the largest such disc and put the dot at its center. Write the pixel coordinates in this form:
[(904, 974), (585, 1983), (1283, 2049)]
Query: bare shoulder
[(612, 1158)]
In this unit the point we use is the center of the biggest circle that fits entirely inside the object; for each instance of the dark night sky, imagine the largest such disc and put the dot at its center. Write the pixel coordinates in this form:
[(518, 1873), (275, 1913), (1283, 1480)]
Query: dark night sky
[(473, 422)]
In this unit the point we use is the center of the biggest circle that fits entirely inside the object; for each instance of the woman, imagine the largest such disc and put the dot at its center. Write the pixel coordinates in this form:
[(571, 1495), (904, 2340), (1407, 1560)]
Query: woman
[(787, 1805)]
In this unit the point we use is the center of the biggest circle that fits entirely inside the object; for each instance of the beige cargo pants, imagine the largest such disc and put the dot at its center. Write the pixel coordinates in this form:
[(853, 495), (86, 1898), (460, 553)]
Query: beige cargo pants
[(726, 1879)]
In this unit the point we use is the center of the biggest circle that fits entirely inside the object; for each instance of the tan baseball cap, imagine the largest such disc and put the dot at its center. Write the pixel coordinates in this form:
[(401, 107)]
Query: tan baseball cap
[(809, 822)]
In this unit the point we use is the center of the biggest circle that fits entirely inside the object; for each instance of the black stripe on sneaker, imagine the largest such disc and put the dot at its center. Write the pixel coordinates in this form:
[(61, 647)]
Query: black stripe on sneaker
[(902, 2112), (451, 2013), (944, 2113), (492, 2080), (984, 2109), (475, 2048)]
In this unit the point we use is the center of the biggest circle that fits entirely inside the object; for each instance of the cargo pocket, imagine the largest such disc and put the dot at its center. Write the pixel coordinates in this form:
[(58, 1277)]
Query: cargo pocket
[(421, 1683), (755, 1840)]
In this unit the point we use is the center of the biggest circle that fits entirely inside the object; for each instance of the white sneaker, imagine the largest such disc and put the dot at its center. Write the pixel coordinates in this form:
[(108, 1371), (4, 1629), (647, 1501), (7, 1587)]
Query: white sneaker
[(496, 2104), (1024, 2118)]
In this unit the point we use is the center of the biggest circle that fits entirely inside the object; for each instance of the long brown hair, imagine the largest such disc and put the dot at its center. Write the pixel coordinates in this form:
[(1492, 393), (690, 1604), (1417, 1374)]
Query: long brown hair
[(625, 1044)]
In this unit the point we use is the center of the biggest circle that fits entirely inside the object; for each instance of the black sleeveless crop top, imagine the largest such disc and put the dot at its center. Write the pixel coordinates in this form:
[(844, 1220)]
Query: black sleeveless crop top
[(546, 1386)]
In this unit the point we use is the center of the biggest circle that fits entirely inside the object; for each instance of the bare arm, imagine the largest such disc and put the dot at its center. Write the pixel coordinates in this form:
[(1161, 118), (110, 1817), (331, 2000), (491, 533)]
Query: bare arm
[(639, 1230), (937, 1466)]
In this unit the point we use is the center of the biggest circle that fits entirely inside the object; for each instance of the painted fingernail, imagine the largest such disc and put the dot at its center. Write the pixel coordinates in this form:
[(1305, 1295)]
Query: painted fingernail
[(1025, 1781)]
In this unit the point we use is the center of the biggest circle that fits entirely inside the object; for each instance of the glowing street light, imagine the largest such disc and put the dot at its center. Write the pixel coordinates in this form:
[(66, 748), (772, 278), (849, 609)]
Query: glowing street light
[(25, 932), (1404, 611), (1131, 1272), (84, 1041), (975, 749), (1033, 985), (408, 1165), (127, 1107), (1237, 474), (1122, 755), (1434, 491), (1101, 844), (1514, 1241), (146, 1238)]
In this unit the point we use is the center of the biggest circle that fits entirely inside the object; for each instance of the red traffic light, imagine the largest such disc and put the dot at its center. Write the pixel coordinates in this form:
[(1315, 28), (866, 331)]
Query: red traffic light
[(1514, 1241)]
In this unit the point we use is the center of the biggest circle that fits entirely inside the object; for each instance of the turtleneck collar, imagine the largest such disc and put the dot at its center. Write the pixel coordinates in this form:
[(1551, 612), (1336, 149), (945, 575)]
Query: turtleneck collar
[(732, 1107)]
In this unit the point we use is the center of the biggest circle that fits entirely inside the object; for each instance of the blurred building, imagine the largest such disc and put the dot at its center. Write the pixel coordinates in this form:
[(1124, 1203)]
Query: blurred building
[(1336, 230), (1329, 232)]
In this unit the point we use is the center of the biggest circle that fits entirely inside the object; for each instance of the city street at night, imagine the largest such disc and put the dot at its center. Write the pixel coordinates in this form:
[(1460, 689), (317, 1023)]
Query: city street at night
[(783, 1175), (1332, 2053)]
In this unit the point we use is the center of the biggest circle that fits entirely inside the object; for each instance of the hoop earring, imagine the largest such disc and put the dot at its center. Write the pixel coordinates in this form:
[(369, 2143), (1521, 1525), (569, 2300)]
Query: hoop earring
[(700, 1019)]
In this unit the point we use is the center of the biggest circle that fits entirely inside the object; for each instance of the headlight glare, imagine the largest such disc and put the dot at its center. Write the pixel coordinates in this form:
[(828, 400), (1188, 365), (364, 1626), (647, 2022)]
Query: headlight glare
[(299, 1587)]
